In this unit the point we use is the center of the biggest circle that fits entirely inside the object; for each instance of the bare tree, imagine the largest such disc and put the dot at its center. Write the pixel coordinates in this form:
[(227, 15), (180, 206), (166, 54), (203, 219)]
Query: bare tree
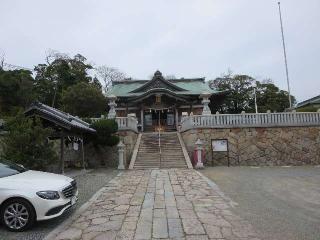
[(52, 55), (2, 56), (170, 77), (267, 81), (107, 75)]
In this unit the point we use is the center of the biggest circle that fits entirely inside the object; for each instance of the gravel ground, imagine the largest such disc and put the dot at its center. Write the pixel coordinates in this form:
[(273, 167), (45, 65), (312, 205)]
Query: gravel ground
[(88, 184), (280, 202)]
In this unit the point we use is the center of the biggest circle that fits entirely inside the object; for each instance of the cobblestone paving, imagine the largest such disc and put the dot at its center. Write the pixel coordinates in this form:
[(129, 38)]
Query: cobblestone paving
[(158, 204)]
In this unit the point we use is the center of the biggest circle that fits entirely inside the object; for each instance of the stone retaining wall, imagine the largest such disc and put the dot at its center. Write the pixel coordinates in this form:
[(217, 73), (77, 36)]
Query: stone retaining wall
[(95, 158), (108, 156), (260, 146)]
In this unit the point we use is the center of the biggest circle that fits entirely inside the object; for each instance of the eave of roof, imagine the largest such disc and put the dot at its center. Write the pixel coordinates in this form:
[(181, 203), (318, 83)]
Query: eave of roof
[(314, 100), (163, 91), (60, 118), (194, 86)]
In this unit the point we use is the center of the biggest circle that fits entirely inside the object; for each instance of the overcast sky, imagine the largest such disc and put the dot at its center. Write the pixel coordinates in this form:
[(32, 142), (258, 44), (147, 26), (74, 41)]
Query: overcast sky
[(187, 38)]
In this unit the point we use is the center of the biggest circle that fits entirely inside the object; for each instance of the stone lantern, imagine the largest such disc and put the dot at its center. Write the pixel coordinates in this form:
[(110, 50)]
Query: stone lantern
[(112, 104), (121, 155), (199, 149), (205, 101)]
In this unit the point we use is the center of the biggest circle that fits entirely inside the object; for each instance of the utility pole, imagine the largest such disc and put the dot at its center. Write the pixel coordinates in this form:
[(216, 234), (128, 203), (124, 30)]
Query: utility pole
[(255, 99), (285, 56)]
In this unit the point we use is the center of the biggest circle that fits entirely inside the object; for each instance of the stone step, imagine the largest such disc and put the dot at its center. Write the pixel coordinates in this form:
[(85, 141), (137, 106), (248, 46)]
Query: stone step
[(148, 156)]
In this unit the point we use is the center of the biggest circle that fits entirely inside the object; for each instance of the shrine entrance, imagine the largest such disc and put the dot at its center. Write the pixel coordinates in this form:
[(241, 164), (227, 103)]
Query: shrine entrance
[(159, 119)]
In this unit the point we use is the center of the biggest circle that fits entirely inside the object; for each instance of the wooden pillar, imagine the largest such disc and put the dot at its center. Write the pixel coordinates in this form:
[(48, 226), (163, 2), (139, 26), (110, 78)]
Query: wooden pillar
[(177, 117), (82, 148), (127, 110), (141, 119)]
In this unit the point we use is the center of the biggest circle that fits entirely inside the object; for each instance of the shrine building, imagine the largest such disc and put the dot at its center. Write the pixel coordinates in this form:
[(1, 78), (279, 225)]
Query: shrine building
[(159, 102)]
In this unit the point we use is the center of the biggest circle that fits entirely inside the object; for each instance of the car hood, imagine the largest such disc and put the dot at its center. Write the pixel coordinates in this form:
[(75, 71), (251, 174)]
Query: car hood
[(37, 180)]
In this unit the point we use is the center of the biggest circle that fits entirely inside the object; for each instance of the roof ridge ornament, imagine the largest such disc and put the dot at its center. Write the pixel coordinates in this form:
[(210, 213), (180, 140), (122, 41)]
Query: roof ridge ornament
[(158, 82), (157, 73)]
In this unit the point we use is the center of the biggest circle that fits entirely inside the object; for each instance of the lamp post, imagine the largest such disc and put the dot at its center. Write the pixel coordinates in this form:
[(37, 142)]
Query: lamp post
[(199, 148), (121, 155), (112, 104), (205, 101)]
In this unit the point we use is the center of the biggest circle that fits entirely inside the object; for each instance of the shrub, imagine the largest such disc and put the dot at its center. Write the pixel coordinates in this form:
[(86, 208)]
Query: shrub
[(27, 142), (106, 128)]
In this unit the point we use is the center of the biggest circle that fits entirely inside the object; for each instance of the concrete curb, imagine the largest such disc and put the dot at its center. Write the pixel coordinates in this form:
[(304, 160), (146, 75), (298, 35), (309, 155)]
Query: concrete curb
[(185, 152), (55, 232), (215, 187)]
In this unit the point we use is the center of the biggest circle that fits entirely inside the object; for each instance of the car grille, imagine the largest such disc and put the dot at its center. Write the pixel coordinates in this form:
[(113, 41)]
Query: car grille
[(71, 190)]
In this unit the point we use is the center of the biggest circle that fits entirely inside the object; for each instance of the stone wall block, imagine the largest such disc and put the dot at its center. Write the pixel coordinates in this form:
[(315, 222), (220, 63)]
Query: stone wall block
[(262, 146)]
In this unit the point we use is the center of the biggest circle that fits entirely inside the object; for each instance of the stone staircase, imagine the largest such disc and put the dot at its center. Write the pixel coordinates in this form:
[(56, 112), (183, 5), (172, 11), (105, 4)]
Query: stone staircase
[(171, 151), (168, 155)]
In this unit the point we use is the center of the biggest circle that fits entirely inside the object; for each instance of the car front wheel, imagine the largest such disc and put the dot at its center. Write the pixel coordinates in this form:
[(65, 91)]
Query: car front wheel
[(17, 215)]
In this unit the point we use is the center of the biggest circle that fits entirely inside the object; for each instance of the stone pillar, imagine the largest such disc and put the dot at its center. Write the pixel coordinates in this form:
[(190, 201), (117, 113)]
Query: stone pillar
[(199, 148), (121, 155), (205, 101), (294, 111), (112, 104)]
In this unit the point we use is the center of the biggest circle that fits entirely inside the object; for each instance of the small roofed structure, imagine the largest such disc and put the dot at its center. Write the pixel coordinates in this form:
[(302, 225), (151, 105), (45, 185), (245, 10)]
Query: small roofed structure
[(63, 124), (312, 103)]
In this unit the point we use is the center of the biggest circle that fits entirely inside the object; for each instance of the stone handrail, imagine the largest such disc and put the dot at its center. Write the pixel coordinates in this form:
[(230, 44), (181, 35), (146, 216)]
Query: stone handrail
[(251, 120), (127, 123), (124, 123)]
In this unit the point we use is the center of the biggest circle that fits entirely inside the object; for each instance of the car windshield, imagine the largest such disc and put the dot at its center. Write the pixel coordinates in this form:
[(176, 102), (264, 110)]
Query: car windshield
[(8, 169)]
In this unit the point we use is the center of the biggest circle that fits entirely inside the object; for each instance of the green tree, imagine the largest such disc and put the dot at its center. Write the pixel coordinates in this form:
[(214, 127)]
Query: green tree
[(59, 73), (240, 95), (106, 130), (238, 89), (84, 100), (270, 97), (15, 90), (27, 143)]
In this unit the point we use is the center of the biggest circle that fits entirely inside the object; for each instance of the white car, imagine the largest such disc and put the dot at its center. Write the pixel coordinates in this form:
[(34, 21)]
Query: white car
[(27, 196)]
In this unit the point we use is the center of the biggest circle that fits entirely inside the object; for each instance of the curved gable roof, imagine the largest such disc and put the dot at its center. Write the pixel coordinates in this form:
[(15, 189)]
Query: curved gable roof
[(158, 81), (182, 86)]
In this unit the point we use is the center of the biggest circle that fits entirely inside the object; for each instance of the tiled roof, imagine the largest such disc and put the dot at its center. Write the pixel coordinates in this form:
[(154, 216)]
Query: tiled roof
[(192, 86), (60, 118), (314, 100)]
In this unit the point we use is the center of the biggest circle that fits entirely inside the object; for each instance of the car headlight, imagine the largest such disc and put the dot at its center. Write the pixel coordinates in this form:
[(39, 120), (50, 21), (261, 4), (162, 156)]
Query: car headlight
[(49, 195)]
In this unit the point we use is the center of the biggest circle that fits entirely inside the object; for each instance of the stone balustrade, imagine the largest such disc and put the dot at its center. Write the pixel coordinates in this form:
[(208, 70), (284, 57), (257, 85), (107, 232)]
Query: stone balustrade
[(127, 123), (284, 119), (124, 123)]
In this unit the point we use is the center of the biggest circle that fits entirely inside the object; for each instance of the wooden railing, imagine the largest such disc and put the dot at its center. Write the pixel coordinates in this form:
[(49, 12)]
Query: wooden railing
[(124, 123), (251, 120)]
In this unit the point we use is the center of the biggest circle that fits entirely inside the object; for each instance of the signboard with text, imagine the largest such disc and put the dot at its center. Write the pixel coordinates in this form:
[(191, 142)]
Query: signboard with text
[(219, 145)]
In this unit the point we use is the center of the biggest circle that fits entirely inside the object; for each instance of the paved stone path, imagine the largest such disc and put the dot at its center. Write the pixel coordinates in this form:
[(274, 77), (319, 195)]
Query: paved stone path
[(158, 204)]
